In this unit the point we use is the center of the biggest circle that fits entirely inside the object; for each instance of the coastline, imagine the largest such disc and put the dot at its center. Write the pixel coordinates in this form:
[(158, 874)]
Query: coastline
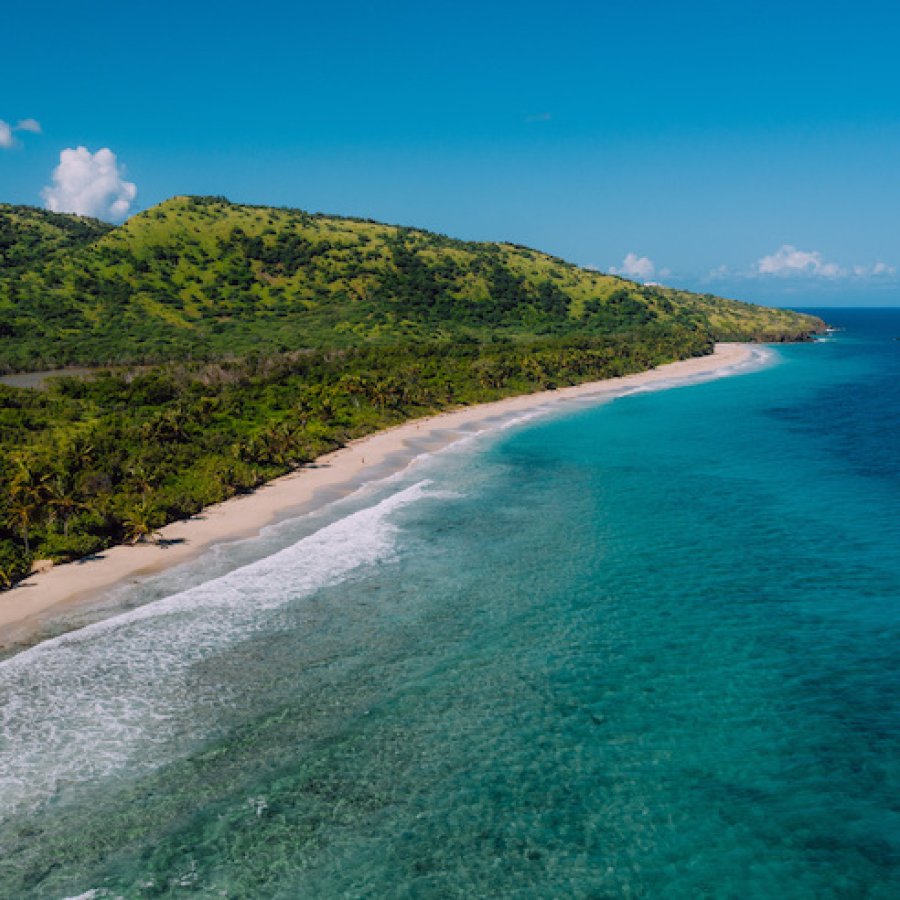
[(35, 601)]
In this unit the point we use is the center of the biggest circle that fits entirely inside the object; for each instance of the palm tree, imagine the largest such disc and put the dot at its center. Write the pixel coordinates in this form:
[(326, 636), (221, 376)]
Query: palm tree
[(141, 522), (80, 451), (28, 490), (141, 478), (21, 510), (63, 499)]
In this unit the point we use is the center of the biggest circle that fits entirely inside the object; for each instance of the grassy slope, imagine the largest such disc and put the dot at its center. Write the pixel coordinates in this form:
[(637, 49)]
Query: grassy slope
[(29, 235), (203, 278)]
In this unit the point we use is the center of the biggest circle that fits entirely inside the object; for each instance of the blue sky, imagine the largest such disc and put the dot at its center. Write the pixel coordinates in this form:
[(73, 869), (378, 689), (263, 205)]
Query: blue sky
[(747, 149)]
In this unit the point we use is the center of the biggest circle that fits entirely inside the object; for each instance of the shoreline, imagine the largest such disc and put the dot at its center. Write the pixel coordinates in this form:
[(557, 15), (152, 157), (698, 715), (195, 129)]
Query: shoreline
[(32, 604)]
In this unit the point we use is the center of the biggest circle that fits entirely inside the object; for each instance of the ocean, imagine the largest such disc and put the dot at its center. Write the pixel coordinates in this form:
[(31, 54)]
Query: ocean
[(647, 648)]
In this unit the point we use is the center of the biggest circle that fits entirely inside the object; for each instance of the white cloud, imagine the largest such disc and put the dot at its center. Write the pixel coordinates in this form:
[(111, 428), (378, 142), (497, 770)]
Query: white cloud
[(7, 131), (641, 268), (31, 125), (788, 261), (878, 270), (90, 184)]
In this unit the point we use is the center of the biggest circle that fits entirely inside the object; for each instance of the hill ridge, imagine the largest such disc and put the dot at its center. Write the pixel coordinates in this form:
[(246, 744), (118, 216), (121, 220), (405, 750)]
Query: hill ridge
[(200, 277)]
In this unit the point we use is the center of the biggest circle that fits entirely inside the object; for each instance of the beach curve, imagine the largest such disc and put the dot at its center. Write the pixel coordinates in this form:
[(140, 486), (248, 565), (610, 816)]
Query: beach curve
[(28, 607)]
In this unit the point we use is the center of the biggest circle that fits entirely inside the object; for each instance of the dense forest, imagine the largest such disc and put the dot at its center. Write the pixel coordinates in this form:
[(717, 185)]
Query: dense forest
[(237, 342)]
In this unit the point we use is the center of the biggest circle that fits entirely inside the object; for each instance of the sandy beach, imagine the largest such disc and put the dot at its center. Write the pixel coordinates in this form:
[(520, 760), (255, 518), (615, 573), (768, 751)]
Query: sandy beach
[(28, 607)]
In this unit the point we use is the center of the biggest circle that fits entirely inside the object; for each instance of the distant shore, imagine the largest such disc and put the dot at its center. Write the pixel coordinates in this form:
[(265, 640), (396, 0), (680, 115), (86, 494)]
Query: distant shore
[(37, 600)]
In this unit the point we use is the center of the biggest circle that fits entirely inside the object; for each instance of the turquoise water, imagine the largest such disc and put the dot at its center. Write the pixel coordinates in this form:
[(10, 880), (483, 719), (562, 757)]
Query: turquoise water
[(646, 649)]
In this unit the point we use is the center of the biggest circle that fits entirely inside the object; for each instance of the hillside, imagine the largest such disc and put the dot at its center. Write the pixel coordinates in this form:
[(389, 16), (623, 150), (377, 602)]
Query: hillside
[(202, 278), (29, 235)]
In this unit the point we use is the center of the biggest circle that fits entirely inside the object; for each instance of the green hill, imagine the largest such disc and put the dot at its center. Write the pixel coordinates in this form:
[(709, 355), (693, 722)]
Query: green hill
[(202, 278), (29, 235)]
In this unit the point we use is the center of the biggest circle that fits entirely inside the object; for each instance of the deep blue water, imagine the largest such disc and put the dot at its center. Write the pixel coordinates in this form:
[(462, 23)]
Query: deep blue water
[(646, 649)]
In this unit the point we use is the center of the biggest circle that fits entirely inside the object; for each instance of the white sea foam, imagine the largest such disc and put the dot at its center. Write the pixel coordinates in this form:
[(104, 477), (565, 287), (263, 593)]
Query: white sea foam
[(82, 705), (760, 357)]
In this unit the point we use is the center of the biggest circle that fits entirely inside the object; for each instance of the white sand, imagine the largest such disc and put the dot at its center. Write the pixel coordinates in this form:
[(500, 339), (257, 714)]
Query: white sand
[(25, 608)]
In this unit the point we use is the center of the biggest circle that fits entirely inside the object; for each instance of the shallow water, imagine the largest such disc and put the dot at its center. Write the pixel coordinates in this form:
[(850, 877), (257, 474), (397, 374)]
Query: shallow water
[(644, 649)]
